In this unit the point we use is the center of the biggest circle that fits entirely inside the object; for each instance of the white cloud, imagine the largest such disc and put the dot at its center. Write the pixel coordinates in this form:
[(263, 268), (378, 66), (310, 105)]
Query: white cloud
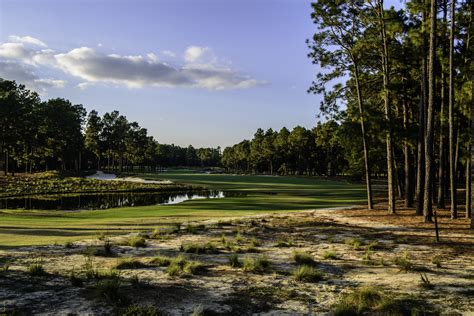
[(202, 69), (26, 40), (169, 53), (26, 75), (199, 55)]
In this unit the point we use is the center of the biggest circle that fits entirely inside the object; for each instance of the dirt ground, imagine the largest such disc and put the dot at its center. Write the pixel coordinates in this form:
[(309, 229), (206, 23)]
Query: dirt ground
[(351, 247)]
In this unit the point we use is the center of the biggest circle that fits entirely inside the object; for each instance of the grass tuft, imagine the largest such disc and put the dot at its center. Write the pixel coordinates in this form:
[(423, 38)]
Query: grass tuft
[(303, 257), (330, 255), (201, 248), (137, 310), (256, 265), (36, 269), (307, 273), (234, 261), (161, 261), (129, 263)]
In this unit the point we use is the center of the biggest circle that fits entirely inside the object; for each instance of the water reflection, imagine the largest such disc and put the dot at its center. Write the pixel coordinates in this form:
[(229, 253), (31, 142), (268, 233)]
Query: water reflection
[(105, 201)]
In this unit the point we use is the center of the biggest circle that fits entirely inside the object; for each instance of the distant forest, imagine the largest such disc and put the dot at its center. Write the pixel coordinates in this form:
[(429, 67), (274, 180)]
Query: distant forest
[(38, 135)]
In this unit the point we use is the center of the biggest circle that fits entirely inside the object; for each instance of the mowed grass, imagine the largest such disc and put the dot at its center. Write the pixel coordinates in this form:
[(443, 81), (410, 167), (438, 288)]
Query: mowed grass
[(263, 194)]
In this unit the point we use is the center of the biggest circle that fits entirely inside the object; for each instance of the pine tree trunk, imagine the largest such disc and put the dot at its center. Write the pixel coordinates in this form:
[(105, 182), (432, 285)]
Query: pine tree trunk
[(429, 159), (452, 158), (407, 157), (368, 181), (388, 114)]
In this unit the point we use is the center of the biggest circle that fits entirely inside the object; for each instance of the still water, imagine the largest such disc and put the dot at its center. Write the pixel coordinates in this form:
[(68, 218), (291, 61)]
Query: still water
[(105, 201)]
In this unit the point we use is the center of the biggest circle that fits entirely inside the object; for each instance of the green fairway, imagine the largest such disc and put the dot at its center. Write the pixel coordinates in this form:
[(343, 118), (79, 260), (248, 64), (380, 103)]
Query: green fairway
[(263, 194)]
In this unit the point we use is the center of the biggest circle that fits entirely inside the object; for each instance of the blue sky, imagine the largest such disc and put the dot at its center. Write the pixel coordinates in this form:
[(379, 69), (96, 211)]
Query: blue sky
[(201, 72)]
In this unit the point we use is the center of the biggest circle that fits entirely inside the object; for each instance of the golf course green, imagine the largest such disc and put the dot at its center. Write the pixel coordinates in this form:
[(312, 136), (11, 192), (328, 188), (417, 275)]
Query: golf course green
[(260, 194)]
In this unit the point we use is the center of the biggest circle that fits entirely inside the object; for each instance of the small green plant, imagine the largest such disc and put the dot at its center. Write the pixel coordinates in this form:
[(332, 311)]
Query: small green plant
[(194, 229), (404, 263), (69, 245), (436, 261), (302, 257), (108, 247), (307, 273), (180, 266), (196, 248), (137, 242), (355, 243), (330, 255), (89, 269), (259, 264), (129, 264), (223, 239), (75, 279), (234, 261), (109, 290), (199, 311), (285, 242), (36, 269), (425, 281), (238, 238), (255, 242), (362, 300), (161, 261), (137, 310)]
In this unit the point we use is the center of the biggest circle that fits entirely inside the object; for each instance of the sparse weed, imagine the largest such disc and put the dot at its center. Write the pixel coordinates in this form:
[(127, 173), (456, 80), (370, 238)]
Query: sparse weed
[(129, 264), (161, 261), (330, 255), (74, 279), (425, 281), (196, 248), (436, 261), (69, 245), (307, 273), (36, 269), (355, 243), (234, 261), (259, 264), (404, 263), (285, 242), (137, 310), (302, 257)]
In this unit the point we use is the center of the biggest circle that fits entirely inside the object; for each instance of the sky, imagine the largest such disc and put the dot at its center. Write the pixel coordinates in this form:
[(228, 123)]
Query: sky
[(200, 72)]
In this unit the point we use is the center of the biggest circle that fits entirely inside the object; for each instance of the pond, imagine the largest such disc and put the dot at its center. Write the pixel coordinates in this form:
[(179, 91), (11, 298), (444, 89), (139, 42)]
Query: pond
[(106, 200)]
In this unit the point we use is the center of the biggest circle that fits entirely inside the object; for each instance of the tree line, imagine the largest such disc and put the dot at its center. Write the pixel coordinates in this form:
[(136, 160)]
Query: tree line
[(38, 135), (404, 77)]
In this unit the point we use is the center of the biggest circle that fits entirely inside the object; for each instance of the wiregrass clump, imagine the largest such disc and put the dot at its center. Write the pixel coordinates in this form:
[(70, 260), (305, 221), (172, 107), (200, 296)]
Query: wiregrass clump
[(307, 273), (259, 264), (161, 261), (199, 248), (303, 257), (181, 267), (129, 263), (234, 261), (36, 269)]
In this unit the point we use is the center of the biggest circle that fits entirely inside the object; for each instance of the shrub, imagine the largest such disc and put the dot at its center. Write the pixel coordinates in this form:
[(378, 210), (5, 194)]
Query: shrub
[(307, 273), (199, 248), (137, 310), (129, 264), (303, 257), (36, 269), (256, 265), (161, 261), (234, 261)]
